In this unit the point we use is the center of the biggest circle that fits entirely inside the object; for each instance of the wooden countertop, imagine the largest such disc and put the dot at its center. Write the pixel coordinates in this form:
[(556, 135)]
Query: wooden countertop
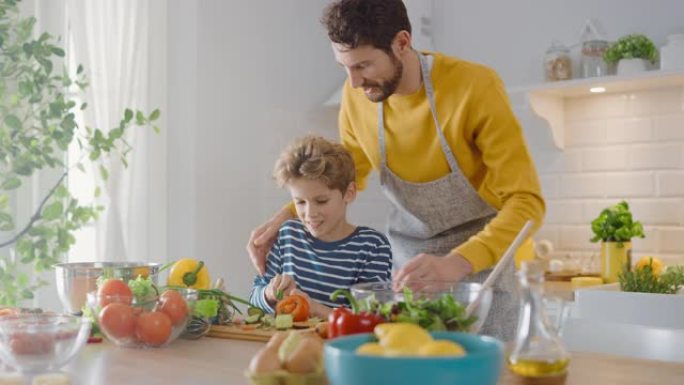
[(211, 361)]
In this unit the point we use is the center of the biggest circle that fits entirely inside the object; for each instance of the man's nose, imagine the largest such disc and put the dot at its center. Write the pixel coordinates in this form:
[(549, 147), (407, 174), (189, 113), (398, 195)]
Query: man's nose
[(355, 79)]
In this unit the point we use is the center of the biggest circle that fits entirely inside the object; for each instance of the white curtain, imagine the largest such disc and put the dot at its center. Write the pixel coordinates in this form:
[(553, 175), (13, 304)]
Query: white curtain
[(112, 39)]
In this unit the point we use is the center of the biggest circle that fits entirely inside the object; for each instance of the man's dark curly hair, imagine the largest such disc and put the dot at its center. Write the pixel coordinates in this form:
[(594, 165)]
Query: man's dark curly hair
[(359, 22)]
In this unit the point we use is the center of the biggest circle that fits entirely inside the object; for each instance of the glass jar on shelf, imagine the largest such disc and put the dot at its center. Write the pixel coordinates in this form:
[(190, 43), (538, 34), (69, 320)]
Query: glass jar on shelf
[(557, 63), (592, 62)]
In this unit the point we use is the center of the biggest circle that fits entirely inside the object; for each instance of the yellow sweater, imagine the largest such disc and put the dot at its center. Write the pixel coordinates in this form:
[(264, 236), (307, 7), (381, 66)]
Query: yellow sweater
[(482, 132)]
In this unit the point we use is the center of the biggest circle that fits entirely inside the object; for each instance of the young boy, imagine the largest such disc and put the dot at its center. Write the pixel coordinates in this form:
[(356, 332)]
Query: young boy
[(320, 252)]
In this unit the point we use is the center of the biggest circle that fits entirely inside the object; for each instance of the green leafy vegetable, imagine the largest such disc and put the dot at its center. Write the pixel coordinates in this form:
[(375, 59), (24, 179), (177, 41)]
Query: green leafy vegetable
[(443, 313), (142, 288), (206, 308)]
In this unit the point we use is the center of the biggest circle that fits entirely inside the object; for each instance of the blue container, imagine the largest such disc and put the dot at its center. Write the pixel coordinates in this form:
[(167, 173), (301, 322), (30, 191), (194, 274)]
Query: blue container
[(481, 365)]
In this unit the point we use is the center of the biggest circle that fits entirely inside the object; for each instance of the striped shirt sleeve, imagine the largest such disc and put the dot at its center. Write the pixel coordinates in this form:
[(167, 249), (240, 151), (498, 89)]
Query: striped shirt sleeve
[(378, 265), (273, 266)]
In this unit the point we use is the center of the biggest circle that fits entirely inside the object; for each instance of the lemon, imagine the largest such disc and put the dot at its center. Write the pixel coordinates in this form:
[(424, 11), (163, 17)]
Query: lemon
[(656, 264), (441, 348), (371, 349), (404, 339), (381, 330)]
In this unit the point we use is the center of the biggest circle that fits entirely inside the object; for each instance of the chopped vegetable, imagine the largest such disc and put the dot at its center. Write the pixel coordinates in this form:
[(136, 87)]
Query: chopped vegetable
[(296, 305), (343, 321), (206, 308), (284, 321), (142, 288), (443, 313)]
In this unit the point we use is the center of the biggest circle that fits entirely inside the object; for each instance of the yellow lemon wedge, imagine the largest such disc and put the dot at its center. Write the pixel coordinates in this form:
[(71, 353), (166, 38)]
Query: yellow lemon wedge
[(656, 264), (443, 348), (382, 329), (371, 349), (404, 339)]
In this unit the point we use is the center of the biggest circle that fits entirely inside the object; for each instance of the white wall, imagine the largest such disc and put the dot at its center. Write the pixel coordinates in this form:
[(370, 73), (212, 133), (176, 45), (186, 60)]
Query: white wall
[(243, 81)]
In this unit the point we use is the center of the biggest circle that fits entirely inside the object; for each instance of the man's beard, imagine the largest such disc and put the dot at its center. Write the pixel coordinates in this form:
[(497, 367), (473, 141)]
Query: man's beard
[(388, 87)]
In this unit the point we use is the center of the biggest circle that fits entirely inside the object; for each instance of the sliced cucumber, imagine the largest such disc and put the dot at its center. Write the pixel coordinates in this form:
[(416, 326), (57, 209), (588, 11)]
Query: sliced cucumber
[(255, 311)]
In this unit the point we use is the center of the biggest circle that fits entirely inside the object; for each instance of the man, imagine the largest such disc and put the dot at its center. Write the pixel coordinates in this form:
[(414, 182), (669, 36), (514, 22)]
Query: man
[(451, 154)]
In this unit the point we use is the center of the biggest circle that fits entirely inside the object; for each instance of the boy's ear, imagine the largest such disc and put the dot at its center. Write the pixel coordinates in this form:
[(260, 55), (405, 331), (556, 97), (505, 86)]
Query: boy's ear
[(350, 194)]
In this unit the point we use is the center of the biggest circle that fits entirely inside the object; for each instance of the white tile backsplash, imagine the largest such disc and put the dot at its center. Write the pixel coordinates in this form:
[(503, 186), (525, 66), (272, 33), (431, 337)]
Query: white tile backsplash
[(669, 127), (634, 130), (621, 146), (605, 159)]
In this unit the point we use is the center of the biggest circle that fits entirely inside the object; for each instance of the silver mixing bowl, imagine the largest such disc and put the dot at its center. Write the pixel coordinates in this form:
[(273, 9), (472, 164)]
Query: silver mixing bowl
[(76, 279)]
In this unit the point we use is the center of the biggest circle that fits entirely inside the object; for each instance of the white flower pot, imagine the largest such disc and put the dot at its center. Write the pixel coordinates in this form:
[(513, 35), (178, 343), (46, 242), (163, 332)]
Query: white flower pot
[(631, 66)]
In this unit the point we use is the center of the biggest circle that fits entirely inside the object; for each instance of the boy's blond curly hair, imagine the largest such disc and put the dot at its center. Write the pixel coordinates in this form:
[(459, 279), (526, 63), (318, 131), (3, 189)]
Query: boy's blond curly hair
[(315, 158)]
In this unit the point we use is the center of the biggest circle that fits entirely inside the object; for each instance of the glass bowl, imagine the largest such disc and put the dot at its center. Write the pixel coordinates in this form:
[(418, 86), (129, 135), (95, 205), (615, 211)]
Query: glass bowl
[(152, 322), (76, 279), (37, 342), (463, 292)]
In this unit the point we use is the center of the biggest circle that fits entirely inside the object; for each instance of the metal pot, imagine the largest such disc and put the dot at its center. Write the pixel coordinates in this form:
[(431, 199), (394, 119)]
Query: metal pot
[(76, 279)]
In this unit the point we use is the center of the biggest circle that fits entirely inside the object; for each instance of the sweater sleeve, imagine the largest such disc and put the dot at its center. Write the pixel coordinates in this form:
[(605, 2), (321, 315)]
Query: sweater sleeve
[(257, 296), (350, 142), (511, 176)]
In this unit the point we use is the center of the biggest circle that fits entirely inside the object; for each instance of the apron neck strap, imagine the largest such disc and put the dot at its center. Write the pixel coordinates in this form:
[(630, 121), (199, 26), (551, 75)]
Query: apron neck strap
[(429, 91)]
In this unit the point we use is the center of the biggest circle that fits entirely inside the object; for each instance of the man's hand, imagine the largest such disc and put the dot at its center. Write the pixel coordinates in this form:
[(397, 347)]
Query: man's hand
[(279, 284), (262, 238), (427, 267)]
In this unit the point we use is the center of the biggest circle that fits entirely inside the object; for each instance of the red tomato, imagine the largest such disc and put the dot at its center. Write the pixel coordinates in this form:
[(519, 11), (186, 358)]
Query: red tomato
[(117, 320), (32, 343), (153, 328), (114, 290), (173, 304)]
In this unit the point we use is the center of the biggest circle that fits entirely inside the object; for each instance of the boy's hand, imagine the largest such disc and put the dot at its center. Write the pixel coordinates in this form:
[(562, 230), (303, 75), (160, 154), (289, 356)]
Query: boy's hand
[(280, 283), (316, 309), (262, 238)]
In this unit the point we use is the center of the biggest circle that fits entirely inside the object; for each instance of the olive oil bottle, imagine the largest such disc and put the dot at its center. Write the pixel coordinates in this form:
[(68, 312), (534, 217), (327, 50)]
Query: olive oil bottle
[(537, 355)]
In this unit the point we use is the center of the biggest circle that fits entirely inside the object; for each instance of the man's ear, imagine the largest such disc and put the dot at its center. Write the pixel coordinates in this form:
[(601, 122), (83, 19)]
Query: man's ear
[(401, 44), (350, 194)]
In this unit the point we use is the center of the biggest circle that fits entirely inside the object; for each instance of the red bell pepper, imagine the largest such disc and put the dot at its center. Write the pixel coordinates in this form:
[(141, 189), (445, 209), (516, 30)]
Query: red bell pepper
[(342, 321)]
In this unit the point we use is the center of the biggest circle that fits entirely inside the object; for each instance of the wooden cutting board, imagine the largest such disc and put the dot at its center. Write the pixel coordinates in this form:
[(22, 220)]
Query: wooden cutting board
[(249, 333), (239, 332)]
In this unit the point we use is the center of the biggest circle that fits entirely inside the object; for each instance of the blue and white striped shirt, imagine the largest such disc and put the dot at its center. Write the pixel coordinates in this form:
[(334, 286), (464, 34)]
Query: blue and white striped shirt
[(319, 267)]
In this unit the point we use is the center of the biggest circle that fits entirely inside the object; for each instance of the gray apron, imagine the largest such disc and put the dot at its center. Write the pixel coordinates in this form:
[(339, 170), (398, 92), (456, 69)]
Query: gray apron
[(434, 217)]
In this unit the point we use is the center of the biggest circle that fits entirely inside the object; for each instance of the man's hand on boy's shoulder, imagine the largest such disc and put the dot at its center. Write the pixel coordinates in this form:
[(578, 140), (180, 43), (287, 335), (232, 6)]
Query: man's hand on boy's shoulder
[(263, 237)]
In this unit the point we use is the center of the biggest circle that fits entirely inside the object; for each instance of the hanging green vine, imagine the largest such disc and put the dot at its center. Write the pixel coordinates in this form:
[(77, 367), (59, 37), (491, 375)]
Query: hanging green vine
[(37, 125)]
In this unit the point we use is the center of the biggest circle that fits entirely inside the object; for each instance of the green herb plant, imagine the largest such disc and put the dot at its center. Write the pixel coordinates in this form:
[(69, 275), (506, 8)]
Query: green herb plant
[(635, 46), (37, 125), (615, 224), (643, 280)]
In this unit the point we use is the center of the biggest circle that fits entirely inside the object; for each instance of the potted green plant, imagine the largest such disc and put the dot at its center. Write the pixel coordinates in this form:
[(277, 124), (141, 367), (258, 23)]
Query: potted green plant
[(615, 228), (632, 53), (37, 124)]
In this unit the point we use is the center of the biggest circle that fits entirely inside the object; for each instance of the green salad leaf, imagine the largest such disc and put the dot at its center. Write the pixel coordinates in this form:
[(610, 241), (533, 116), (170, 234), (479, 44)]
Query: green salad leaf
[(206, 308)]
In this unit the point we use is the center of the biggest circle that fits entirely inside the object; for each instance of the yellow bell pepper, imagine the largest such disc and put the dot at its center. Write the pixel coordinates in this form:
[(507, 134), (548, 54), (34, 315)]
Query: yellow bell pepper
[(190, 273)]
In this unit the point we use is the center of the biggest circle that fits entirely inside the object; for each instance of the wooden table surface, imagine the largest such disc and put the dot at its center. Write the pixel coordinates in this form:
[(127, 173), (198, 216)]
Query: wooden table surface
[(211, 361)]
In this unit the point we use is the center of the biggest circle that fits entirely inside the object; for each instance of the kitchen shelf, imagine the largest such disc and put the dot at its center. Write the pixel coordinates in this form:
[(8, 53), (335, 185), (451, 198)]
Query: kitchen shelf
[(547, 100)]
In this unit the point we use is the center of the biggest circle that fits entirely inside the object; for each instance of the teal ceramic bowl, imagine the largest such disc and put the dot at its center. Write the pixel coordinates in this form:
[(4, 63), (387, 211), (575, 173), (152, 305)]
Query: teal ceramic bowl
[(480, 366)]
